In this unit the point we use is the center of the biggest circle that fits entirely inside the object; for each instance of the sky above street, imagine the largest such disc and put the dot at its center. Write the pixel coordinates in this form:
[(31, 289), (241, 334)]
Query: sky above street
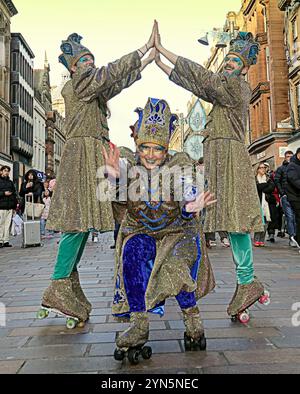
[(113, 28)]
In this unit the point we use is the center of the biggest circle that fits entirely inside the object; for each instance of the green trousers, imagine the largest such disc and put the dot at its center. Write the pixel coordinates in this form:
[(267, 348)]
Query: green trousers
[(242, 254), (71, 247)]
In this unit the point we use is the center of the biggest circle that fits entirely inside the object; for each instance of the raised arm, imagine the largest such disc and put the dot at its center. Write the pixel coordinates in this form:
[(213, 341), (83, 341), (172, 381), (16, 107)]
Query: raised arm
[(89, 83), (164, 67), (150, 43), (203, 83), (166, 53), (148, 60)]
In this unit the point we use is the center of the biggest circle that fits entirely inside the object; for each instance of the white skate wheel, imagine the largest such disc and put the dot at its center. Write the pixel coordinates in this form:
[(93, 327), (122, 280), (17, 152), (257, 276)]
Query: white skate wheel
[(244, 317), (71, 323)]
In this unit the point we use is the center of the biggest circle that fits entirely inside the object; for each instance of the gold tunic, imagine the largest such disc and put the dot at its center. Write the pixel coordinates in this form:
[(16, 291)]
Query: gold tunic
[(227, 163), (75, 207), (176, 250)]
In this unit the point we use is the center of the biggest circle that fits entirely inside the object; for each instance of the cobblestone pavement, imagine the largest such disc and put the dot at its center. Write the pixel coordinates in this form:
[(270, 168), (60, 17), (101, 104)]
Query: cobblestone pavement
[(269, 343)]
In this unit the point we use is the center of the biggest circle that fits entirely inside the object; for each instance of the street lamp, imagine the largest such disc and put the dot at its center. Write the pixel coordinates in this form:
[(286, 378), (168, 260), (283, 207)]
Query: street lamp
[(219, 37)]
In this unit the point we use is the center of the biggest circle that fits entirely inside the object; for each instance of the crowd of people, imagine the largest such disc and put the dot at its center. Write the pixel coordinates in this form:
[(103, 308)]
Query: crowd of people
[(13, 204), (277, 192)]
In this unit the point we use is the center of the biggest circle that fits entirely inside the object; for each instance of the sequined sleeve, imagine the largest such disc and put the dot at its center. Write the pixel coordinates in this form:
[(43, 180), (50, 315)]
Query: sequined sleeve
[(205, 84), (124, 83), (91, 82)]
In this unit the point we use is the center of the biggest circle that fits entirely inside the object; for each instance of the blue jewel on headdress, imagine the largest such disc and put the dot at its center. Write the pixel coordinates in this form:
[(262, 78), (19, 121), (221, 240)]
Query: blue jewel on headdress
[(140, 112), (66, 48), (253, 54), (245, 44), (154, 101), (62, 60), (157, 109), (172, 126), (75, 37)]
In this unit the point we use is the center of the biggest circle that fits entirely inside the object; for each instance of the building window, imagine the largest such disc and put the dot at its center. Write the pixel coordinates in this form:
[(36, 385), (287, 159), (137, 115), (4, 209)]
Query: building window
[(14, 126), (270, 114), (295, 35), (15, 62), (14, 94), (268, 62), (22, 98)]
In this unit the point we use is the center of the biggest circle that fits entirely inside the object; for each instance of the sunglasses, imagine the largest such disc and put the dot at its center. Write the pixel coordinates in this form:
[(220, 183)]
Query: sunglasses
[(263, 167)]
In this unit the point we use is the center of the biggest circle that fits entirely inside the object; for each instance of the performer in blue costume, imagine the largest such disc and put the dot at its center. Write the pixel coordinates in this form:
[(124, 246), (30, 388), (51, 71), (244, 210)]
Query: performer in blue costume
[(160, 249)]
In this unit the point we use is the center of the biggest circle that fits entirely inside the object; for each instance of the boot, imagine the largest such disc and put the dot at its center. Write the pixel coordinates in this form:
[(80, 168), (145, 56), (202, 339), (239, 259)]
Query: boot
[(137, 333), (193, 323), (79, 292), (245, 296), (233, 297), (59, 295), (194, 338)]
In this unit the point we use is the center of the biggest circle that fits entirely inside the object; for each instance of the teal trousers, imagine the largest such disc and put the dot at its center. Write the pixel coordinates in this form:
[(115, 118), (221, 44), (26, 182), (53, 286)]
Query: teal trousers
[(241, 247), (71, 247)]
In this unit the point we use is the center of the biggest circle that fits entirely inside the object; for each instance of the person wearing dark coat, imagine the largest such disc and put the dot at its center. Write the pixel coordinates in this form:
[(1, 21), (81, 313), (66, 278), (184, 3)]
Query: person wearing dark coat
[(274, 207), (265, 187), (8, 202), (293, 190), (280, 180), (31, 184)]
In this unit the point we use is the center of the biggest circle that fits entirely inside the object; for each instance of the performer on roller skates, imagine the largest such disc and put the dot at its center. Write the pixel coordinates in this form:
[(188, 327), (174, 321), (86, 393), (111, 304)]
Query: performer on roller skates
[(75, 208), (160, 249), (226, 159)]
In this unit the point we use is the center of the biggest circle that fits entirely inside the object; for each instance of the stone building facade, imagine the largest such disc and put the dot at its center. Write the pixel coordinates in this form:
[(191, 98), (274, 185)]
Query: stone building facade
[(7, 11)]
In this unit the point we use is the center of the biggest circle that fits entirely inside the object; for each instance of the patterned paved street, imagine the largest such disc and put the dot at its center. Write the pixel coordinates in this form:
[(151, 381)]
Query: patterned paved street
[(269, 343)]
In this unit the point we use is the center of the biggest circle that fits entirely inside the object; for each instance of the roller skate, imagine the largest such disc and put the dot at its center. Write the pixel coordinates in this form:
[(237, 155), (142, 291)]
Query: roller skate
[(77, 290), (131, 342), (60, 299), (244, 297), (194, 338)]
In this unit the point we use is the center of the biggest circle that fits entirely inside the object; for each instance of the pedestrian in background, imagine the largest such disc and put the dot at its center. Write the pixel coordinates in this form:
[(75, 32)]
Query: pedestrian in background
[(31, 184), (265, 186), (293, 191), (275, 208), (280, 180), (8, 202), (47, 201)]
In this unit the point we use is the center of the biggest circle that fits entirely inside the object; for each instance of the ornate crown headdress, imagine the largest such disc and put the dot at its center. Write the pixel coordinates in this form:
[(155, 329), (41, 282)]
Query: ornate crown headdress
[(155, 123), (245, 47), (72, 51)]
